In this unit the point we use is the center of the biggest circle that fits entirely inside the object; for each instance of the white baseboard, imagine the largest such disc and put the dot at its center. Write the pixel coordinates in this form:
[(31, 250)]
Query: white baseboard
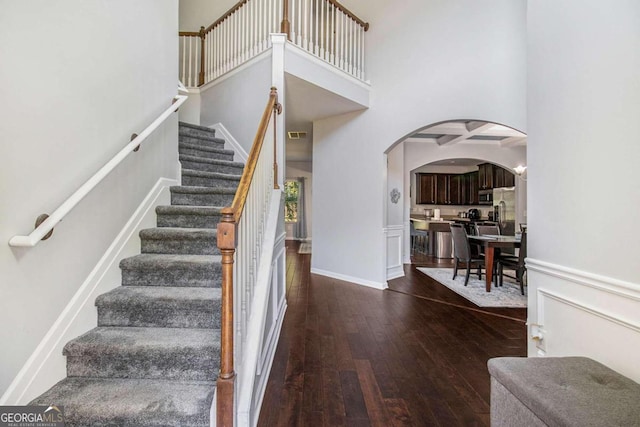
[(346, 278), (395, 272), (47, 365), (234, 145)]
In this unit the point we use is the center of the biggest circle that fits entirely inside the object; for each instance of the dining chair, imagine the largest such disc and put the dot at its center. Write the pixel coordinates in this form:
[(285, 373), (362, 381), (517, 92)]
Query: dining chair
[(516, 264), (483, 230), (418, 237), (462, 252), (491, 230)]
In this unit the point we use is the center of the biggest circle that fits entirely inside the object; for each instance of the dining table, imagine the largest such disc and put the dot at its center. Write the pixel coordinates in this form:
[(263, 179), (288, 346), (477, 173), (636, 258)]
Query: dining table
[(491, 245)]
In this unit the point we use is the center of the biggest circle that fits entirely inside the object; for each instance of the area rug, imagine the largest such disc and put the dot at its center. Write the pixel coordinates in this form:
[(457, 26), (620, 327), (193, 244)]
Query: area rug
[(507, 295), (305, 248)]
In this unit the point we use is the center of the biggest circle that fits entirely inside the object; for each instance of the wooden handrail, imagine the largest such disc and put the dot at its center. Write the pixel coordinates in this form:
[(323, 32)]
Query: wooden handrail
[(243, 188), (350, 14), (227, 14), (227, 231), (189, 33)]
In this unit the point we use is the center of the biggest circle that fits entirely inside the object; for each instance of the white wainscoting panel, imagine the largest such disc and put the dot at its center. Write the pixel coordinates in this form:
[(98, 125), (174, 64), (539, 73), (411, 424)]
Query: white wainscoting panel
[(578, 313), (394, 235)]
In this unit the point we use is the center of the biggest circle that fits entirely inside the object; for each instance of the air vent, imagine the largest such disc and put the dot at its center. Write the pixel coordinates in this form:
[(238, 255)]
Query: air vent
[(297, 135)]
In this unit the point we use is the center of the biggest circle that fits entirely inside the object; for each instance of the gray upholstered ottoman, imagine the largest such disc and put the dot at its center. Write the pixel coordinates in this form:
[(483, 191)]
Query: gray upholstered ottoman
[(561, 391)]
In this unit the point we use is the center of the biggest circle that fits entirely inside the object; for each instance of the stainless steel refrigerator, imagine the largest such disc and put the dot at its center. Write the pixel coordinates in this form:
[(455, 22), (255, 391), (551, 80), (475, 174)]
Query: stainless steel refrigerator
[(504, 209)]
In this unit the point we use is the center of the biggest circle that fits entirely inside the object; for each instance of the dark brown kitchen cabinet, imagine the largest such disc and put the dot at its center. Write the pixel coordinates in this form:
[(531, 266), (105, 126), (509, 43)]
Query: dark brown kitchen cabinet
[(456, 190), (427, 189), (449, 189), (485, 176), (471, 188), (509, 179), (498, 177), (503, 178), (439, 189)]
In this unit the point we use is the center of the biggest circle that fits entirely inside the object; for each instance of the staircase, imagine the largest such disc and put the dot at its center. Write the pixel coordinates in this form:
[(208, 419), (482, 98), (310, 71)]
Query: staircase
[(155, 355)]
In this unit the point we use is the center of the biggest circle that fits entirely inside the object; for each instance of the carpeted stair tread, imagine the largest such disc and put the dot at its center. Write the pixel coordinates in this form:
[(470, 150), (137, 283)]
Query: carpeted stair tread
[(131, 402), (185, 189), (209, 179), (211, 161), (168, 307), (135, 352), (188, 210), (205, 174), (188, 216), (197, 138), (202, 196), (185, 125), (178, 240), (171, 270), (211, 165), (204, 151)]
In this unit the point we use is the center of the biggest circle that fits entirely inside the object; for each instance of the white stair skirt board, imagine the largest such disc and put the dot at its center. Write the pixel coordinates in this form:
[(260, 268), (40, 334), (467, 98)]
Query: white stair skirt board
[(507, 296), (234, 145), (46, 365)]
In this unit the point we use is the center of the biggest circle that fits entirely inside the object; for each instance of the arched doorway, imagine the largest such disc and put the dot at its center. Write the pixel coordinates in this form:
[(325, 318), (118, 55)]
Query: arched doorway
[(455, 147)]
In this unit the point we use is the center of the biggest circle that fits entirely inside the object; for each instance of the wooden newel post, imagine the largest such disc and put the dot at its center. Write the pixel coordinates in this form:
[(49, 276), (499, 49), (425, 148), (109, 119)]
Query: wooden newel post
[(285, 26), (227, 243), (202, 58)]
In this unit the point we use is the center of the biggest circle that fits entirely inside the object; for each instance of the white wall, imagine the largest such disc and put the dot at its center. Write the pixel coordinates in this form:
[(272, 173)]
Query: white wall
[(238, 99), (395, 179), (202, 13), (428, 61), (73, 93), (583, 109)]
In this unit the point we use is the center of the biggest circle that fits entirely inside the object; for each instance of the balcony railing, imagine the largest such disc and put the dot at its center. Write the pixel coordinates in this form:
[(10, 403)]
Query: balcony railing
[(323, 28)]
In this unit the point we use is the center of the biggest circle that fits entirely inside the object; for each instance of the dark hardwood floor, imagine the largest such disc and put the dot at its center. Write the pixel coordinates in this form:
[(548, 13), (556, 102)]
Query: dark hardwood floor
[(412, 355)]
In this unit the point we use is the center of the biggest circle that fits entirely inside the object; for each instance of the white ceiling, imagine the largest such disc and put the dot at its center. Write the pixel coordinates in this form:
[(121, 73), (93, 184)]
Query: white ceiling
[(469, 132), (305, 103)]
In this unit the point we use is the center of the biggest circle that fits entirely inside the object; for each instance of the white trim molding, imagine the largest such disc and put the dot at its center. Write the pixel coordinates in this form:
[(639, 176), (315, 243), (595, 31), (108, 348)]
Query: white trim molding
[(352, 279), (223, 132), (580, 313), (596, 281), (47, 365), (394, 236)]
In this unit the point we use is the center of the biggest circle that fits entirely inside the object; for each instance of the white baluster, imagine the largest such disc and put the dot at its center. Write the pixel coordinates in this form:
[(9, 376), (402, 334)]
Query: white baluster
[(305, 33), (184, 61), (361, 53)]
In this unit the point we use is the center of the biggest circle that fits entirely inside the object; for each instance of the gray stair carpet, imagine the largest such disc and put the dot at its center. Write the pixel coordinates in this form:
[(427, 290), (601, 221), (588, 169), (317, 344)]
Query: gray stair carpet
[(155, 354)]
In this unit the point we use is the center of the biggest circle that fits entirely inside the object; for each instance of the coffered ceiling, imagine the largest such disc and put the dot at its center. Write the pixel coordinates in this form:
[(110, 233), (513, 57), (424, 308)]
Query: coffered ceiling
[(470, 132)]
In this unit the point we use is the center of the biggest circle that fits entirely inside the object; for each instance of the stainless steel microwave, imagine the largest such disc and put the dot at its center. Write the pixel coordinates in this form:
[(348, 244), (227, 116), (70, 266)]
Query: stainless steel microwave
[(485, 197)]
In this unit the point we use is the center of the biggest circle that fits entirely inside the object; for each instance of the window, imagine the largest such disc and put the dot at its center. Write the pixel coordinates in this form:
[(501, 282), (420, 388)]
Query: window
[(291, 191)]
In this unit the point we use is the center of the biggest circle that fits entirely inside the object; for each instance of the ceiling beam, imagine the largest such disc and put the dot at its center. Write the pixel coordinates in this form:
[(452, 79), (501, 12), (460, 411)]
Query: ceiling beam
[(477, 130), (513, 141), (471, 126)]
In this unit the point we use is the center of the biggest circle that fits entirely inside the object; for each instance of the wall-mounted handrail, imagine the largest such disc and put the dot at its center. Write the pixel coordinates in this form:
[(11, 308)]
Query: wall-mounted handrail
[(47, 225)]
